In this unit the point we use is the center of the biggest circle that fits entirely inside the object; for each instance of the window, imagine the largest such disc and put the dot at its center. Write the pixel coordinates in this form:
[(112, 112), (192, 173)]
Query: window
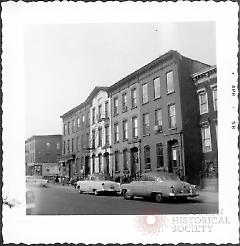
[(93, 116), (134, 98), (78, 123), (106, 109), (88, 118), (216, 129), (116, 132), (77, 143), (72, 144), (83, 119), (147, 157), (116, 154), (65, 129), (146, 126), (206, 139), (170, 82), (156, 84), (93, 139), (124, 102), (125, 159), (99, 112), (172, 116), (115, 106), (93, 163), (125, 130), (107, 135), (68, 146), (158, 120), (159, 153), (134, 127), (144, 93), (68, 127), (99, 137), (100, 162), (214, 93), (203, 102), (87, 140), (64, 147), (73, 125)]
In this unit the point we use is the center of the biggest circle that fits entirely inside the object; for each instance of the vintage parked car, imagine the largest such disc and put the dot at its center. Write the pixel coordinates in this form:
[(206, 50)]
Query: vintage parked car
[(36, 181), (159, 185), (98, 183)]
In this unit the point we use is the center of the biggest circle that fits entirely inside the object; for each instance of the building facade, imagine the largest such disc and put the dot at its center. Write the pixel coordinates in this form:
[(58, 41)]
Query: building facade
[(76, 157), (206, 88), (42, 153), (100, 134), (125, 127), (147, 121), (165, 116)]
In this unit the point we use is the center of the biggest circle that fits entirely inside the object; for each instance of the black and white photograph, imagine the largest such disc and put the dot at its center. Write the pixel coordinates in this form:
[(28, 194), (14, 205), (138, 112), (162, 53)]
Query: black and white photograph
[(113, 123)]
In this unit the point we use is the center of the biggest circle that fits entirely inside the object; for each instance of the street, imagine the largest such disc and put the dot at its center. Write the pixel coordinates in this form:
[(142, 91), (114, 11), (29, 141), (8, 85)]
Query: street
[(65, 200)]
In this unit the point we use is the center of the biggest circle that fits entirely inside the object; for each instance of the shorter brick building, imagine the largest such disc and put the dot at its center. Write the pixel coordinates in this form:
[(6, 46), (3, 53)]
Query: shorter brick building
[(42, 153), (206, 88)]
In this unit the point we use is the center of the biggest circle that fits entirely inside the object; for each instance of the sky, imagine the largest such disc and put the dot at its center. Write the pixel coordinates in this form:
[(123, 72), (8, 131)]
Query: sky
[(64, 62)]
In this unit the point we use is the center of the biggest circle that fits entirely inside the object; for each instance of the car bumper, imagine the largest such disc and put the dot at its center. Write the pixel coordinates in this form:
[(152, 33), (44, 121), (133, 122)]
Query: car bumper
[(183, 195)]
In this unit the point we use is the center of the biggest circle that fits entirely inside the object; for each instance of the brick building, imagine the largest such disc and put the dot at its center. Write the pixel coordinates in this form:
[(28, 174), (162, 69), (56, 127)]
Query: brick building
[(162, 130), (75, 160), (153, 123), (206, 88), (42, 153)]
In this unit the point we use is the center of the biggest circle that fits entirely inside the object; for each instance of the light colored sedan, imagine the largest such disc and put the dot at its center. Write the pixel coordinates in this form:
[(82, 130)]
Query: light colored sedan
[(98, 183), (159, 185)]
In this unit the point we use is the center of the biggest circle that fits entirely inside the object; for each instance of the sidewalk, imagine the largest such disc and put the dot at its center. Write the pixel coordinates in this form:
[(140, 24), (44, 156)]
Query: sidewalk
[(207, 195)]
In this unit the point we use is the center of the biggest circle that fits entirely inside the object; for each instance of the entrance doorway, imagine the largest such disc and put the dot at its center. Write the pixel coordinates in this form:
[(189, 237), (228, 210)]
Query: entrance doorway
[(87, 168), (106, 162), (173, 156), (133, 161)]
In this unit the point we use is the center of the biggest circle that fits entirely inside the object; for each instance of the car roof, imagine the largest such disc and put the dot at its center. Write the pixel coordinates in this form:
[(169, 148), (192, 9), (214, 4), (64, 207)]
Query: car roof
[(157, 174)]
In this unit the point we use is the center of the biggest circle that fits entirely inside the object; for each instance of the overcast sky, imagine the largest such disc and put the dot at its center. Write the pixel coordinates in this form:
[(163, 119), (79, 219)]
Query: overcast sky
[(63, 63)]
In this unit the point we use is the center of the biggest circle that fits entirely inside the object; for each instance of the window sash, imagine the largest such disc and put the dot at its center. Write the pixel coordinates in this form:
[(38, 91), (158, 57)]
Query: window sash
[(144, 93), (206, 139), (170, 82), (125, 130), (158, 117), (203, 103), (134, 98), (157, 88)]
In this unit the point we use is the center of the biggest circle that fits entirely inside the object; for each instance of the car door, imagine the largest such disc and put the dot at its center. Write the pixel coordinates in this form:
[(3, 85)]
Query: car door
[(140, 186)]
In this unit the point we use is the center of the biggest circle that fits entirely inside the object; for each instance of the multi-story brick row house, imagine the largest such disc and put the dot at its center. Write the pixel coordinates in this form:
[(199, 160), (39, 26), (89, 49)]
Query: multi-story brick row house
[(153, 123), (100, 133), (160, 132), (76, 155), (125, 127), (206, 88), (42, 153)]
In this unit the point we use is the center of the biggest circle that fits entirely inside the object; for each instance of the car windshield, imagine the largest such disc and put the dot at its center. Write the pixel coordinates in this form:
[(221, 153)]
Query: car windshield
[(100, 177), (168, 176)]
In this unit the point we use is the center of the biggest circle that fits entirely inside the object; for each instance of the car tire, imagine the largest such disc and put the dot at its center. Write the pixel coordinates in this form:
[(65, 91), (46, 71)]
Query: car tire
[(126, 195), (80, 191), (96, 193), (158, 197)]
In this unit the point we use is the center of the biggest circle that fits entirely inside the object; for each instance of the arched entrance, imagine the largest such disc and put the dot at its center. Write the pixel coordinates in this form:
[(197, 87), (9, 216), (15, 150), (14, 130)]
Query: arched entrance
[(133, 161), (87, 168), (106, 162), (174, 154)]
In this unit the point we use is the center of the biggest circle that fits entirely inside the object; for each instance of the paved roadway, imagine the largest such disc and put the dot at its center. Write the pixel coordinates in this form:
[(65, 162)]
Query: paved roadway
[(65, 200)]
